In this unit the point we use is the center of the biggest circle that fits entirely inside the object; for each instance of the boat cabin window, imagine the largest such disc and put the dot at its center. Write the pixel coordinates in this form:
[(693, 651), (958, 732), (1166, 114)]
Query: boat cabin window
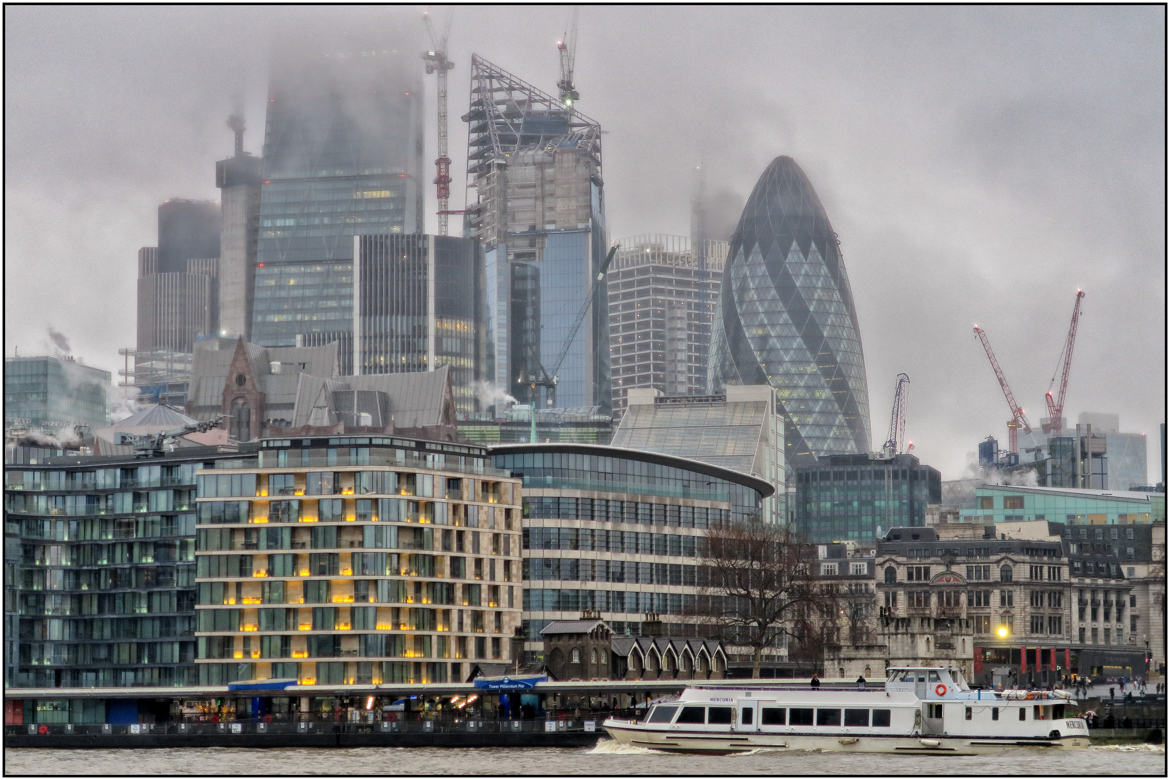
[(1057, 711), (745, 716), (800, 716), (897, 676), (856, 717), (662, 714), (828, 717), (934, 710), (1023, 713), (719, 714), (692, 715), (995, 713), (967, 713), (934, 677), (958, 679), (881, 718), (772, 716)]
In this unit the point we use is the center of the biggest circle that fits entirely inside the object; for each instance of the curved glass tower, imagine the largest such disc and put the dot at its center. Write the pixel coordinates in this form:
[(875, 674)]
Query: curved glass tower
[(786, 319)]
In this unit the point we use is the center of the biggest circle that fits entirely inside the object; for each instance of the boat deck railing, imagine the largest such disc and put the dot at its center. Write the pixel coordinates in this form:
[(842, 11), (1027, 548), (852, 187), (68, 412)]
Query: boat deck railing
[(583, 722)]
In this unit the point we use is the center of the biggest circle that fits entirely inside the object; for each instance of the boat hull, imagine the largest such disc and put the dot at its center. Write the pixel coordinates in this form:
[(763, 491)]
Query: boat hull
[(635, 734)]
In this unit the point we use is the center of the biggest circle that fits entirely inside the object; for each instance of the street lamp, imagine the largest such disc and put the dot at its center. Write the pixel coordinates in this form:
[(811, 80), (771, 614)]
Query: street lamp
[(1002, 632)]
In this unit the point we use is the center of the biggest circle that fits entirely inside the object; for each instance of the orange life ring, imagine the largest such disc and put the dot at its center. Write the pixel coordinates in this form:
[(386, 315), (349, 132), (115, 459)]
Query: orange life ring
[(42, 729), (940, 690)]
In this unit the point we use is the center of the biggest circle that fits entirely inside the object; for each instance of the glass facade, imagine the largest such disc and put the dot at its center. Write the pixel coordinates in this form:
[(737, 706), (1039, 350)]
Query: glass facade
[(618, 531), (343, 155), (356, 560), (851, 497), (106, 567), (51, 393), (740, 431), (419, 305), (540, 218), (786, 318), (1005, 503)]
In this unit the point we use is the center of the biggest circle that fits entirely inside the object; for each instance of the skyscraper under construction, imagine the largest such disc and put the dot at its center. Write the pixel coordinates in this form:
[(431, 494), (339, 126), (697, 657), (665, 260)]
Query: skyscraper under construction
[(538, 211)]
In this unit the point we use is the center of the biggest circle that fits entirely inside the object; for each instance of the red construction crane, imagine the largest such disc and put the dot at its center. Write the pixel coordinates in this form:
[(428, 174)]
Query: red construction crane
[(1056, 408), (897, 434), (1018, 419)]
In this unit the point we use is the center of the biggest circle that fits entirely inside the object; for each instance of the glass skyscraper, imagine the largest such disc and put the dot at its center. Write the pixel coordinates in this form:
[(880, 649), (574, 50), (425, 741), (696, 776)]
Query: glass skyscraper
[(419, 305), (50, 393), (343, 155), (539, 215), (786, 318)]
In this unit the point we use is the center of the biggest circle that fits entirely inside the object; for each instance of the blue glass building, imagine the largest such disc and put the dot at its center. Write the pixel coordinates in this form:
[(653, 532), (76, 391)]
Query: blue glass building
[(540, 218), (343, 155), (786, 318)]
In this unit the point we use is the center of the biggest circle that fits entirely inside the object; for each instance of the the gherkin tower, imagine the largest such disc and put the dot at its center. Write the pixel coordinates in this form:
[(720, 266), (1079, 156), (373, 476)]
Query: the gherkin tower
[(786, 318)]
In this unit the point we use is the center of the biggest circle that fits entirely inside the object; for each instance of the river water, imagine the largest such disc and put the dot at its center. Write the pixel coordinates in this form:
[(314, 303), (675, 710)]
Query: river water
[(605, 759)]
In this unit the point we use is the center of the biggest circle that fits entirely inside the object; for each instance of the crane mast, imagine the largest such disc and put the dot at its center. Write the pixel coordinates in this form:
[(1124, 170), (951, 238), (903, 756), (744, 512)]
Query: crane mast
[(437, 63), (1056, 408), (1018, 419), (548, 379), (896, 437), (567, 47)]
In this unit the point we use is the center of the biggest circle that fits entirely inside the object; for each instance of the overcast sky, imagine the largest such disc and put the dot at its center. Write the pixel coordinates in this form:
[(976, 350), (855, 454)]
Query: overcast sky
[(978, 163)]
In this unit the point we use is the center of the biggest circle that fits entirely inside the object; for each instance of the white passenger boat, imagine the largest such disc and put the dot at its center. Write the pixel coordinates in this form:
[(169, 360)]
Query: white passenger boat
[(920, 710)]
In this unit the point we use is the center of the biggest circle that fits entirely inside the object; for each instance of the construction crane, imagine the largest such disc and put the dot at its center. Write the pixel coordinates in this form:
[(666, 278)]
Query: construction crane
[(153, 444), (897, 435), (437, 63), (1018, 419), (567, 46), (1056, 407), (548, 379)]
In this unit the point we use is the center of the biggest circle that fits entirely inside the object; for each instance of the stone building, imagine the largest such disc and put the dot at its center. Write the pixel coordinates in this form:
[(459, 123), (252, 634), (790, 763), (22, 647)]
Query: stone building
[(587, 649)]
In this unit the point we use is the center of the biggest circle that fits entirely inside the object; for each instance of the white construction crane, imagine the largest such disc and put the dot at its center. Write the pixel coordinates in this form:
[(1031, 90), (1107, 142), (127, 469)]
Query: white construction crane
[(437, 63), (567, 46), (896, 438)]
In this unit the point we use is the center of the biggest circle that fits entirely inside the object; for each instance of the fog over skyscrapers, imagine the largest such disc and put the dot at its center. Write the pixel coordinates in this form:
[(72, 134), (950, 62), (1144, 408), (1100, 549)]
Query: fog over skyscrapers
[(342, 156)]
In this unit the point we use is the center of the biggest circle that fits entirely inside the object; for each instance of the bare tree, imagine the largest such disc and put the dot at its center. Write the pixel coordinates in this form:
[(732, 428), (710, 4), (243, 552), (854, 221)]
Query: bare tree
[(761, 585)]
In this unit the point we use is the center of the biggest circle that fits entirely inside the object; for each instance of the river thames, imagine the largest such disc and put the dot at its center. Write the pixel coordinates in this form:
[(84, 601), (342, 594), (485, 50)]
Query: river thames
[(604, 759)]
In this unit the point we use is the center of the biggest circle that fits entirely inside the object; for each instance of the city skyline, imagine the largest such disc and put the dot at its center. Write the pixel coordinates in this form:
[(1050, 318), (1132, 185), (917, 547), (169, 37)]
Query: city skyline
[(978, 163)]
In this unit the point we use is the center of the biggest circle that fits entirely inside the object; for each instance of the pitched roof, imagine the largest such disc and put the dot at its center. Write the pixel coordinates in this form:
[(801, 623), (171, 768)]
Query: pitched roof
[(276, 368), (158, 415), (416, 400)]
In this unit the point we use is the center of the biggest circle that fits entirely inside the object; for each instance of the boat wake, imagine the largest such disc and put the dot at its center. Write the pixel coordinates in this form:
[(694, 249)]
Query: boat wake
[(1142, 748)]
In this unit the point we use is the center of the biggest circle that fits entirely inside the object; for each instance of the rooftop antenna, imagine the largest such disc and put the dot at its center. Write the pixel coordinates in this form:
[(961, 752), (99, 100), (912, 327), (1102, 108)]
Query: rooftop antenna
[(236, 123)]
